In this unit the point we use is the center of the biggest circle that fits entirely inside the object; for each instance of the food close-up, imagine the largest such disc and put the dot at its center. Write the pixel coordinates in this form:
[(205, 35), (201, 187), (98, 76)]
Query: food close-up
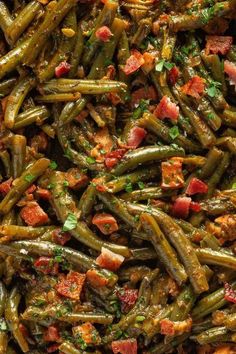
[(117, 176)]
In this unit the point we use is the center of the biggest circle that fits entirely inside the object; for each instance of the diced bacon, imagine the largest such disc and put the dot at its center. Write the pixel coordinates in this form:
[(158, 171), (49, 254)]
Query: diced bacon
[(6, 186), (194, 87), (62, 69), (60, 237), (114, 98), (51, 334), (95, 278), (46, 265), (136, 137), (230, 293), (81, 117), (113, 157), (230, 70), (181, 207), (134, 62), (71, 286), (167, 327), (173, 75), (196, 186), (39, 142), (218, 44), (128, 298), (125, 346), (103, 34), (109, 260), (31, 189), (111, 72), (172, 175), (76, 178), (88, 333), (106, 223), (143, 93), (149, 62), (104, 142), (43, 193), (167, 109), (196, 207), (33, 214), (24, 330), (53, 348), (171, 328)]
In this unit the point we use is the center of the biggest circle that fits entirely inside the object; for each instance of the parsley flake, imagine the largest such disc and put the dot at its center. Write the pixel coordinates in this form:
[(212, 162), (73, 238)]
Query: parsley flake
[(70, 223), (90, 160), (174, 132), (29, 177), (53, 165)]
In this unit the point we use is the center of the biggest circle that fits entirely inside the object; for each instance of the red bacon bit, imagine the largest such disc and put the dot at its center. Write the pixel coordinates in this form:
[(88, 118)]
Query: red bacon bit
[(196, 207), (172, 175), (181, 207), (113, 157), (114, 98), (109, 260), (230, 70), (31, 189), (143, 93), (103, 34), (173, 75), (136, 137), (5, 186), (43, 193), (128, 298), (62, 69), (24, 330), (196, 186), (125, 346), (71, 285), (106, 223), (218, 44), (51, 334), (39, 142), (149, 62), (95, 278), (167, 327), (167, 109), (33, 215), (53, 348), (60, 237), (46, 265), (88, 333), (76, 178), (134, 62), (230, 293), (194, 87)]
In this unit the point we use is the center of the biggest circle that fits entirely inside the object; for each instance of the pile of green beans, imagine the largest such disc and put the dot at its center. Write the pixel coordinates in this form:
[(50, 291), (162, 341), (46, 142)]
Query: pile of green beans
[(117, 176)]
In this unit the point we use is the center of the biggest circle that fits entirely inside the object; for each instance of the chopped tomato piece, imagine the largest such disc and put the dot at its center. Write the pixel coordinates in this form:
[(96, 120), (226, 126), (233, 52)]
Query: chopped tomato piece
[(103, 34), (134, 62), (113, 157), (60, 237), (6, 186), (71, 286), (218, 44), (230, 70), (51, 334), (149, 62), (43, 193), (95, 278), (143, 93), (33, 214), (230, 293), (106, 223), (76, 178), (136, 137), (181, 207), (53, 348), (88, 333), (194, 87), (109, 260), (125, 346), (166, 109), (62, 69), (173, 75), (196, 186), (128, 298), (172, 175), (194, 206), (46, 265), (167, 327)]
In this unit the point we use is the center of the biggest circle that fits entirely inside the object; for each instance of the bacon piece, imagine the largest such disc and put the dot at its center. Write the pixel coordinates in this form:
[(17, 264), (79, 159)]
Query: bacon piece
[(6, 186), (76, 178), (60, 237), (181, 207), (172, 175), (149, 62), (103, 34), (33, 214), (109, 260), (71, 285), (136, 137), (125, 346), (88, 333), (43, 193), (113, 157), (173, 75), (230, 293), (128, 298), (96, 279), (51, 334), (218, 44), (106, 223), (143, 93), (194, 87), (62, 69), (230, 70), (134, 62), (46, 265), (196, 186), (166, 109)]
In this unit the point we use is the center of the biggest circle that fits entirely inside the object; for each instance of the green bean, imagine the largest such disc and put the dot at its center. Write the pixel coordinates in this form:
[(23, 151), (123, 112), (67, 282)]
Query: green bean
[(69, 348), (16, 99), (216, 334), (22, 183), (209, 256), (32, 115), (213, 158), (214, 64), (18, 149), (5, 19), (218, 173), (163, 348), (77, 52), (146, 193), (5, 158), (14, 232), (6, 86), (165, 252), (86, 201)]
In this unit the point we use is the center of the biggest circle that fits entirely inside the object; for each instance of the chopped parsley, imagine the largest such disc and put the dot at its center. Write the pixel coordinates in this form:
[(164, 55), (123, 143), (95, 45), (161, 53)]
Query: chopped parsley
[(90, 160), (65, 184), (142, 107), (234, 186), (174, 132), (141, 184), (212, 88), (3, 325), (70, 223), (29, 177), (53, 165), (140, 318), (163, 64), (129, 187)]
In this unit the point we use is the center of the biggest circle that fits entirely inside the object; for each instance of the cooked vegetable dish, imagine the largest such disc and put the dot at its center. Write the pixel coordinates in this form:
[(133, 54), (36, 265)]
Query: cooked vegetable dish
[(117, 176)]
